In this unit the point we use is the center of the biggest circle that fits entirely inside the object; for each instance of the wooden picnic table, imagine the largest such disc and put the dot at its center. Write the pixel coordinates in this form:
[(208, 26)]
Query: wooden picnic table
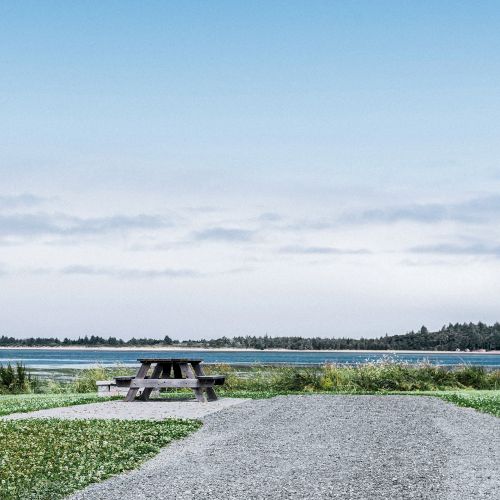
[(173, 372)]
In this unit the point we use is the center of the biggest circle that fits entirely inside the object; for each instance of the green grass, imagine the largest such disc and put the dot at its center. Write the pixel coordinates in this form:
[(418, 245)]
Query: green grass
[(484, 401), (49, 459), (31, 402)]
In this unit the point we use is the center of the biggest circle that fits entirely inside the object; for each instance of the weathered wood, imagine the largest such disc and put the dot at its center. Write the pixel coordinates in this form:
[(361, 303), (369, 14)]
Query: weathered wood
[(169, 360), (166, 370), (191, 383), (141, 374), (216, 379), (199, 370), (187, 373), (177, 370), (123, 381), (187, 370), (155, 375), (200, 395), (211, 394)]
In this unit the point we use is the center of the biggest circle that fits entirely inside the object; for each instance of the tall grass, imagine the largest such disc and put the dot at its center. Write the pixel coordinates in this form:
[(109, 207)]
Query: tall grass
[(16, 379), (381, 376), (368, 377), (87, 378)]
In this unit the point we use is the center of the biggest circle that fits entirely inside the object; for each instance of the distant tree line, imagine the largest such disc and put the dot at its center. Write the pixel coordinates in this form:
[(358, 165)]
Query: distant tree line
[(449, 338)]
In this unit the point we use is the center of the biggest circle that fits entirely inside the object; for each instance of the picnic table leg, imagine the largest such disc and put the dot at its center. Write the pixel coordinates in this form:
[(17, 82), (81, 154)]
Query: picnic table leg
[(211, 395), (156, 374), (177, 370), (141, 373), (188, 372), (167, 368)]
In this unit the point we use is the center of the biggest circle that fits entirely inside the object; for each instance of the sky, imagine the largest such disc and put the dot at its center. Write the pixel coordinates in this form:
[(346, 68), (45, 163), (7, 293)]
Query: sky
[(198, 169)]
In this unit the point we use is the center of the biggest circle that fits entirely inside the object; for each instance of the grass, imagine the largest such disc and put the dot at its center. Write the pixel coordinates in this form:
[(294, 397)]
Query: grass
[(383, 377), (15, 379), (484, 401), (21, 403), (386, 375), (49, 459)]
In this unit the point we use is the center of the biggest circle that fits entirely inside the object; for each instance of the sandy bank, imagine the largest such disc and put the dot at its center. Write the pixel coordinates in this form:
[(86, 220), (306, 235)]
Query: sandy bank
[(234, 349)]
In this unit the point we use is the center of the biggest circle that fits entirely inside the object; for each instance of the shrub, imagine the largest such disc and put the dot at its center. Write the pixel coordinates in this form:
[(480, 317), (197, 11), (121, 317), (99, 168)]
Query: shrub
[(16, 380), (472, 376), (296, 379)]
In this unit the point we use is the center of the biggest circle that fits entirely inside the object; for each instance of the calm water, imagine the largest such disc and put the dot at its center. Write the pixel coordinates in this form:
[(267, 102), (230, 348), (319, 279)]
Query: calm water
[(48, 358)]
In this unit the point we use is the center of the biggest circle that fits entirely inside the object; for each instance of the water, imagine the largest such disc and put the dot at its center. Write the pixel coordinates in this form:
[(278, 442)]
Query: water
[(84, 358)]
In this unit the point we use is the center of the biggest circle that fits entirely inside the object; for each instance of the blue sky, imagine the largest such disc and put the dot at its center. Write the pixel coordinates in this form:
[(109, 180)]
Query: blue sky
[(218, 168)]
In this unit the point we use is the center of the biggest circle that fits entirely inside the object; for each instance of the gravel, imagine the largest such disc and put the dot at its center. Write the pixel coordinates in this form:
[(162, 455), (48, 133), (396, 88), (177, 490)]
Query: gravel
[(137, 410), (312, 447)]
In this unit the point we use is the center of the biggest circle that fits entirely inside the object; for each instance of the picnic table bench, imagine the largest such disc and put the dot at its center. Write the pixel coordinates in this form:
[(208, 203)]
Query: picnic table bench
[(171, 373)]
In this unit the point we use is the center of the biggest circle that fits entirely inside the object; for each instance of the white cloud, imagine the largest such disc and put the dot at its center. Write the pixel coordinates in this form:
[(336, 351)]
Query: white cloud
[(129, 273)]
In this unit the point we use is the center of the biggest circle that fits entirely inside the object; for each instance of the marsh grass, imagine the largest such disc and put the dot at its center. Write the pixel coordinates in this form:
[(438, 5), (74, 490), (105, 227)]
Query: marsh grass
[(77, 381), (367, 377), (87, 378), (381, 376)]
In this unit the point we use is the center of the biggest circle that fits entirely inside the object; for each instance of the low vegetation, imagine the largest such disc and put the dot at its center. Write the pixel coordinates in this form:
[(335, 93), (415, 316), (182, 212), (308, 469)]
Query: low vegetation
[(485, 401), (381, 376), (87, 378), (49, 459), (22, 403), (387, 374), (18, 380), (384, 376)]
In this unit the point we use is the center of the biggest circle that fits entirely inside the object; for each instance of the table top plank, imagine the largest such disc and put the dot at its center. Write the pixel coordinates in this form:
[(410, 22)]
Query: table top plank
[(169, 360)]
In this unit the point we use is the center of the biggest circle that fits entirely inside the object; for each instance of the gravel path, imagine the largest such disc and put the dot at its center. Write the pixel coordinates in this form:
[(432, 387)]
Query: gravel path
[(150, 410), (312, 447)]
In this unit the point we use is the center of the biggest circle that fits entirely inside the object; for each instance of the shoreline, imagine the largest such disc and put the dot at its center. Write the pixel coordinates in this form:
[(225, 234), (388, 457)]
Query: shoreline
[(240, 349)]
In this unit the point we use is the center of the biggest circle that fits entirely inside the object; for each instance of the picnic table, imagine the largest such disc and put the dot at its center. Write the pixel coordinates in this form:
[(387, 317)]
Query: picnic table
[(173, 372)]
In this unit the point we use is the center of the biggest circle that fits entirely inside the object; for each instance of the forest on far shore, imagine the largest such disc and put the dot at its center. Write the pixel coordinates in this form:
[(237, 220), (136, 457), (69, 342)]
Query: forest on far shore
[(467, 336)]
